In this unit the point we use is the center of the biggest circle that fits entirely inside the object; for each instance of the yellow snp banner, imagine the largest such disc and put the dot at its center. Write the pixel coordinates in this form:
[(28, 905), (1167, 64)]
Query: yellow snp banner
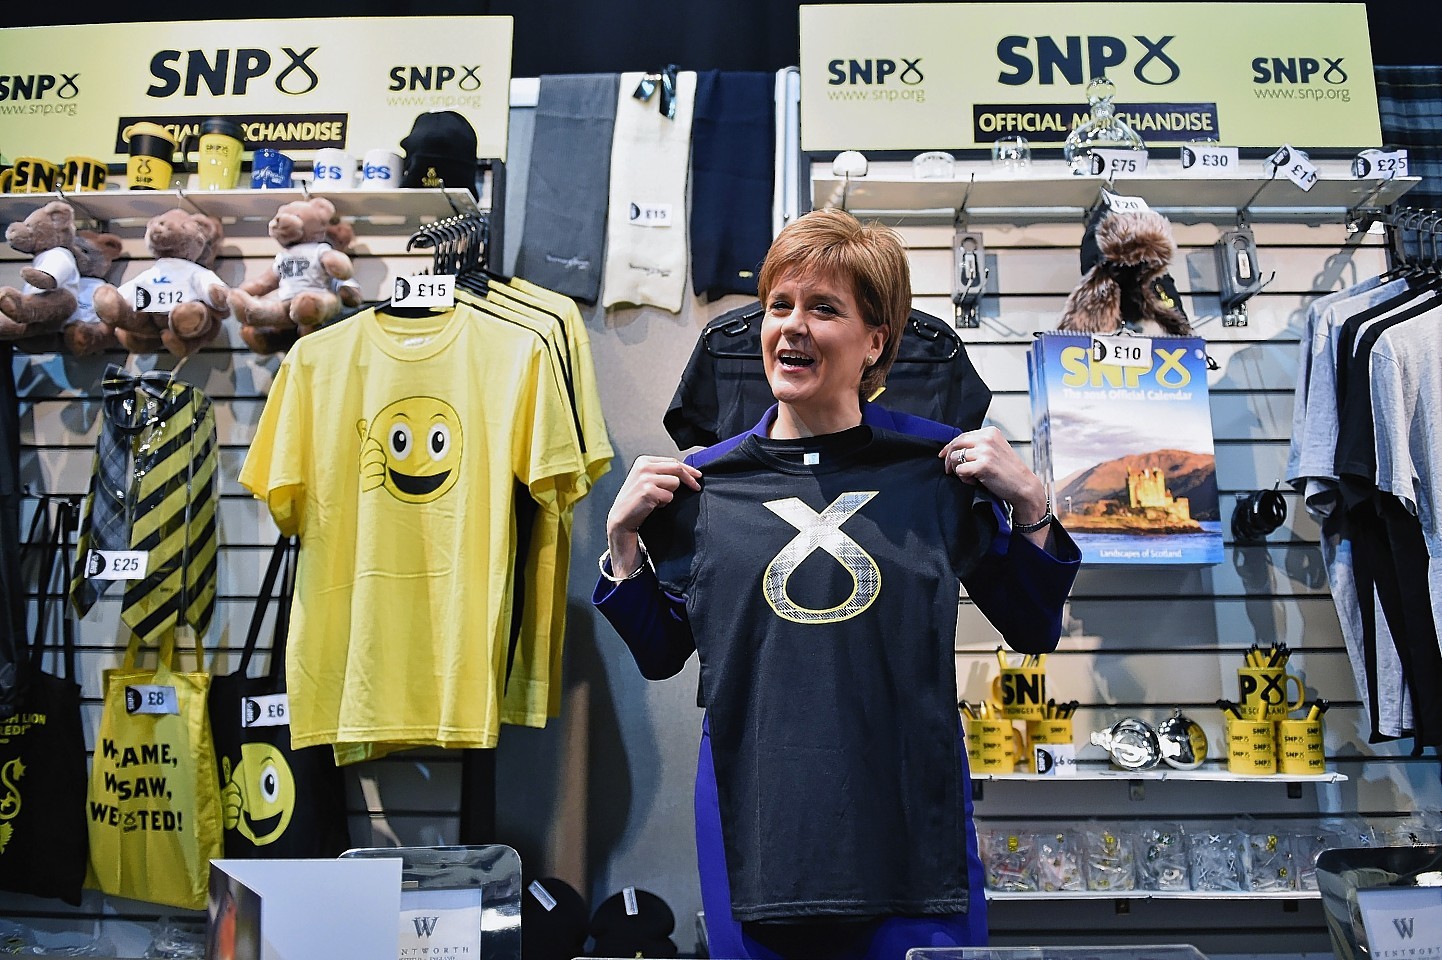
[(921, 76), (296, 85)]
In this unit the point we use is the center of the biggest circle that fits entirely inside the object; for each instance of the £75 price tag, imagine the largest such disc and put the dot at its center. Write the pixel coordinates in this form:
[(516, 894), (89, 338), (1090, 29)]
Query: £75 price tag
[(1118, 163), (1123, 351), (1295, 165), (425, 290)]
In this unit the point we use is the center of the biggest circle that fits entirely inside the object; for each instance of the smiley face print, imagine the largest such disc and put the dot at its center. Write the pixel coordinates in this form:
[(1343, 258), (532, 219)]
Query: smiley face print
[(412, 448)]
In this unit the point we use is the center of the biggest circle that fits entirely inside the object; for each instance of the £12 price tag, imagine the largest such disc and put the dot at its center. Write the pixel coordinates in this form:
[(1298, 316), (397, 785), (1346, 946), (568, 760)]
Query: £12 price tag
[(425, 290), (1123, 351), (116, 564), (1295, 165), (159, 293), (1210, 160)]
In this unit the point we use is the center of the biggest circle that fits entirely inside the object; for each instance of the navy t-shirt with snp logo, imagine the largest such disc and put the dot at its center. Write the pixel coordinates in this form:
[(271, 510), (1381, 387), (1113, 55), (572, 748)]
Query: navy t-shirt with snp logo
[(822, 582)]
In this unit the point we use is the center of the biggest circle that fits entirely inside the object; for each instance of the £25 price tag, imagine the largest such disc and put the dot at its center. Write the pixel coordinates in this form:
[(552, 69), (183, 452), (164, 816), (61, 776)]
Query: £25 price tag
[(116, 564), (1119, 163), (1120, 204), (151, 698), (1293, 163), (1123, 351), (1380, 165), (1209, 160), (425, 290)]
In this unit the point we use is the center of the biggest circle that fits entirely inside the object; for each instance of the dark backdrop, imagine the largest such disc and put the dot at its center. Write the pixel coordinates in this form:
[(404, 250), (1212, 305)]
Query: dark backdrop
[(586, 36)]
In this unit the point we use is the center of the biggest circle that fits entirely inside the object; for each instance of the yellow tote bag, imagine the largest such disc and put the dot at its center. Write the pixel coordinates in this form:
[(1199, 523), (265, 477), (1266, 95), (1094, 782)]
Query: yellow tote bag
[(154, 798)]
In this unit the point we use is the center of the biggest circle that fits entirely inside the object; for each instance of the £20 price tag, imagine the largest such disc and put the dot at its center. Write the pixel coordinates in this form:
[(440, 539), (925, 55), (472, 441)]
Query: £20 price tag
[(1295, 165), (1120, 204), (1123, 351), (425, 290)]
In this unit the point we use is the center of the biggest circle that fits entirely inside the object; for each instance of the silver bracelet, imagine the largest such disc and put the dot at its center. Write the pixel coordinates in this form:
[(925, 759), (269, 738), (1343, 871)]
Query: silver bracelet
[(604, 561), (1046, 518)]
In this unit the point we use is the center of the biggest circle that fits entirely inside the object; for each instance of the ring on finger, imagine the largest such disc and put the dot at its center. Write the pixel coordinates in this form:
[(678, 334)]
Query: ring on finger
[(960, 457)]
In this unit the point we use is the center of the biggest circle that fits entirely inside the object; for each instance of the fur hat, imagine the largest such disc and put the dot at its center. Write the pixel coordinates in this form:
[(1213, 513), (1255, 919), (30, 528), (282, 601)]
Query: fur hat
[(1124, 261)]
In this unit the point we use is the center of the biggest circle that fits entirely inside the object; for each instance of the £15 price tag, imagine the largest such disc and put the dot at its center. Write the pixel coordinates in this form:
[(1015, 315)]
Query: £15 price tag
[(150, 698), (1210, 160), (1123, 351), (1295, 165), (651, 214), (116, 564), (1120, 204), (425, 290), (1380, 165), (1119, 163)]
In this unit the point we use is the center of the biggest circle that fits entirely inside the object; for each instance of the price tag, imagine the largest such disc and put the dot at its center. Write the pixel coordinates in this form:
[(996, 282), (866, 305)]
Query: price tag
[(542, 895), (272, 710), (425, 290), (1380, 165), (116, 564), (151, 698), (628, 897), (1123, 351), (651, 214), (1210, 160), (159, 293), (1295, 165), (1054, 759), (1119, 163), (1121, 204)]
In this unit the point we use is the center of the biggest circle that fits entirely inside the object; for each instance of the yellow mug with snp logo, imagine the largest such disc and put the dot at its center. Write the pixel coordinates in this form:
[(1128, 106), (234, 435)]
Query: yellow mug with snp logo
[(1262, 692), (1299, 747), (84, 174), (991, 746), (34, 175), (152, 153), (1251, 746), (218, 147)]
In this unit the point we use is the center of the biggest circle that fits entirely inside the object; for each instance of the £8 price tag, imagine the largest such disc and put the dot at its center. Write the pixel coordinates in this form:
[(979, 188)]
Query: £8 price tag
[(1295, 165), (151, 698), (425, 290), (1123, 351)]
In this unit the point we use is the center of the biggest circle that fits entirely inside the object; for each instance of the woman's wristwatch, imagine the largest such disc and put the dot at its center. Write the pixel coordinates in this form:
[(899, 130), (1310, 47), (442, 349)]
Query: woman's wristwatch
[(1046, 518)]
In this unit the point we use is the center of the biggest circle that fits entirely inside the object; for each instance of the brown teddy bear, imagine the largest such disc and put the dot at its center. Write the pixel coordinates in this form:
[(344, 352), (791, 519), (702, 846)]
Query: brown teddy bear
[(177, 303), (52, 280), (303, 275), (83, 333)]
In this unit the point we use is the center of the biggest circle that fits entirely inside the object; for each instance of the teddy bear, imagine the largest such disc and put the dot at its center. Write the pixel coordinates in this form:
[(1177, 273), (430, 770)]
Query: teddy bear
[(303, 275), (177, 303), (83, 333), (52, 280)]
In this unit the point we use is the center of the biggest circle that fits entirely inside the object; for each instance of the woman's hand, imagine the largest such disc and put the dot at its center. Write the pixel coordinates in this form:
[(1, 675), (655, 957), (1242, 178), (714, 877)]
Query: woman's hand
[(984, 456), (652, 483)]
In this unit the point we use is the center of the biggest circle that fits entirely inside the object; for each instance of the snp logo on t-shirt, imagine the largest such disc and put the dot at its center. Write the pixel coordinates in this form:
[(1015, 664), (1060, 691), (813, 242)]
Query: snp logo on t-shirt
[(821, 531)]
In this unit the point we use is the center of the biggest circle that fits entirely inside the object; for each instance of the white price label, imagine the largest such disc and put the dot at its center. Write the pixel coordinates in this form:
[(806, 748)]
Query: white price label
[(1380, 165), (1293, 164), (1210, 160), (1119, 163), (1121, 204), (1054, 759), (425, 290), (151, 698), (651, 214), (542, 895), (1123, 351), (159, 294), (628, 897), (116, 564), (268, 711)]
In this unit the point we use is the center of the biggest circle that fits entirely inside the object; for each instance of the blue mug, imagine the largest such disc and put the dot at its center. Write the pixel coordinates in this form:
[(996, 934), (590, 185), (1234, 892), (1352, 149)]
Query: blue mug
[(270, 170)]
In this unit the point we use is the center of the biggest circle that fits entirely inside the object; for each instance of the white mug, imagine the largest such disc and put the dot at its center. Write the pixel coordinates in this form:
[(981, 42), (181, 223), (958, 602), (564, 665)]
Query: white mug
[(380, 170), (333, 169)]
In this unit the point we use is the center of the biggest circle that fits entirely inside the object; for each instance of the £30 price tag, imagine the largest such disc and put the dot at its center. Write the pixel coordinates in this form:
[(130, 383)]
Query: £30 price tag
[(1295, 165), (1120, 204), (116, 564), (425, 290), (1123, 351), (1209, 160), (1380, 165), (1120, 163), (150, 698)]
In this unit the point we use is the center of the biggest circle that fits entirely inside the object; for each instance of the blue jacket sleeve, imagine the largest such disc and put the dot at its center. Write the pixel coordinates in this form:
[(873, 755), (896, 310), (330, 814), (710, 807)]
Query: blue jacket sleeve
[(1022, 588), (651, 621)]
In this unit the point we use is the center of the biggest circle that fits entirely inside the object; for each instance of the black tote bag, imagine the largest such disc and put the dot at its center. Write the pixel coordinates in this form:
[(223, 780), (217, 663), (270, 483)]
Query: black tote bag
[(276, 802), (43, 834)]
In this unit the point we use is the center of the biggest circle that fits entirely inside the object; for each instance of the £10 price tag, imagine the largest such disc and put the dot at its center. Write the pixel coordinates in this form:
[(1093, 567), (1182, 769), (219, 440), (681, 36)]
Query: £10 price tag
[(116, 564), (1295, 165), (1210, 160), (1120, 204), (151, 698), (1380, 165), (1119, 163), (425, 290), (1123, 351)]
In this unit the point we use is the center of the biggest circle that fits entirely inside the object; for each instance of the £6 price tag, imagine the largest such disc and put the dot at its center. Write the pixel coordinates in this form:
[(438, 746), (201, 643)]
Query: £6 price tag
[(1209, 160), (1380, 165), (425, 290), (1123, 351), (1120, 163), (1295, 165)]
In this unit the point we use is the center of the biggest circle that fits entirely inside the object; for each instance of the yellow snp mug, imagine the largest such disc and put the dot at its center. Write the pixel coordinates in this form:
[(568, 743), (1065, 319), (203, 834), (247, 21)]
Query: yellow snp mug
[(82, 174), (218, 146), (1300, 748), (34, 175), (7, 177), (991, 746), (1251, 746), (1262, 692), (1021, 691), (152, 155)]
